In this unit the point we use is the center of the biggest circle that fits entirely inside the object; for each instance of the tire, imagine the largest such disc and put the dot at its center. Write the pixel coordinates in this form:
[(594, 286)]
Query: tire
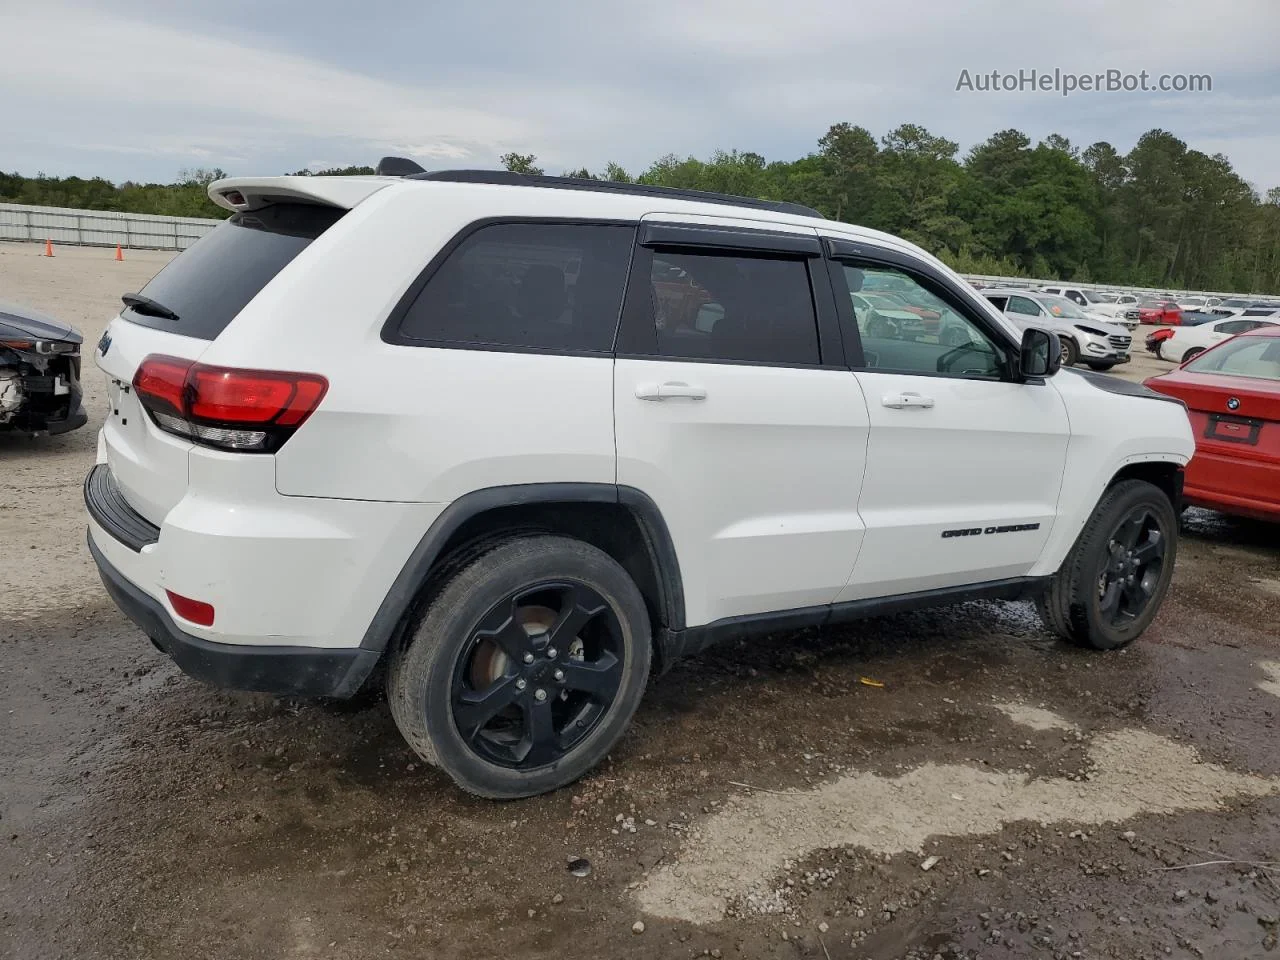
[(530, 616), (1158, 353), (1070, 352), (1193, 352), (1078, 605)]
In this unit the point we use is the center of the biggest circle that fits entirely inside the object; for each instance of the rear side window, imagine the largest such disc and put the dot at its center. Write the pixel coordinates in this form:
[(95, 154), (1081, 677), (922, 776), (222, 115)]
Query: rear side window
[(545, 286), (1024, 306), (212, 281), (733, 308)]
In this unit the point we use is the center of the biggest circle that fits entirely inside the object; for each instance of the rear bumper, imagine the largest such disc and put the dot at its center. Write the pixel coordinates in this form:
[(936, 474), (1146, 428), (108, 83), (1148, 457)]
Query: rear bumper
[(290, 671), (305, 572), (1244, 487)]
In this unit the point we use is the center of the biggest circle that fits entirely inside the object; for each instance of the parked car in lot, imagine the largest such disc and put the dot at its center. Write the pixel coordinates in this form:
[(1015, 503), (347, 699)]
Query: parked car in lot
[(1097, 306), (1160, 311), (1232, 306), (441, 423), (1232, 393), (1118, 308), (1099, 345), (39, 373), (881, 316), (1183, 343)]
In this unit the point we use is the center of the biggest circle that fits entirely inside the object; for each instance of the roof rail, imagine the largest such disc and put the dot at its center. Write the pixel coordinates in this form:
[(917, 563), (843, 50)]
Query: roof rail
[(511, 178)]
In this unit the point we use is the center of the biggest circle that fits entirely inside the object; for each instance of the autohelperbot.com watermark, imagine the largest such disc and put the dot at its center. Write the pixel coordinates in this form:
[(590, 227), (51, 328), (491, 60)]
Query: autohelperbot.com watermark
[(1065, 83)]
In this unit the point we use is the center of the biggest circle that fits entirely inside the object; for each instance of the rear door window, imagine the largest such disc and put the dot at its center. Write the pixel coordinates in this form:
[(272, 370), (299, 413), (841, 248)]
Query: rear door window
[(541, 286), (731, 307), (213, 280)]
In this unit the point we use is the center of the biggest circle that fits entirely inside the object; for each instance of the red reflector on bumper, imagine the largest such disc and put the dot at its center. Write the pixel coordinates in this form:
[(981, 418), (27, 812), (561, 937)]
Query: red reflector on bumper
[(196, 611)]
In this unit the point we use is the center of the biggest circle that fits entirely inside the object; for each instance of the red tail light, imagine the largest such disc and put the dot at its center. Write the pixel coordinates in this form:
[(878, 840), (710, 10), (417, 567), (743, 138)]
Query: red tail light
[(197, 611), (252, 411)]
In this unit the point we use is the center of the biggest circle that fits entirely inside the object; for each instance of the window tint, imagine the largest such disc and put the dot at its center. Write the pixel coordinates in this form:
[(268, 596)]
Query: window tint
[(724, 307), (213, 280), (1235, 326), (915, 329), (1023, 305), (542, 285)]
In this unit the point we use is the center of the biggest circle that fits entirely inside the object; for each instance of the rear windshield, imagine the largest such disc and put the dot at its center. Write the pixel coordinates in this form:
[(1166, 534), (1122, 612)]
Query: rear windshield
[(1257, 357), (212, 281)]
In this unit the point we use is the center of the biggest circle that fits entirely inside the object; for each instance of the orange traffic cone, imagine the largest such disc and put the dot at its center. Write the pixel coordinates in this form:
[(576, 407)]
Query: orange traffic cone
[(48, 248), (119, 252)]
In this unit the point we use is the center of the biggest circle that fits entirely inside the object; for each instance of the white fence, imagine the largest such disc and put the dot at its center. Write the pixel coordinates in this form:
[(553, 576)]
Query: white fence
[(101, 228)]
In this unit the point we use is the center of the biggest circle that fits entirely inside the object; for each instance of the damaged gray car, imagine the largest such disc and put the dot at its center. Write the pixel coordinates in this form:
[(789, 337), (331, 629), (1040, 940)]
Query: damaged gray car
[(39, 373)]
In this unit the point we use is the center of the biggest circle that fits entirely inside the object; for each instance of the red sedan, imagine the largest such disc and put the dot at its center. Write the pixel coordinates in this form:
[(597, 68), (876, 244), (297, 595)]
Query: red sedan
[(1232, 393), (1160, 311)]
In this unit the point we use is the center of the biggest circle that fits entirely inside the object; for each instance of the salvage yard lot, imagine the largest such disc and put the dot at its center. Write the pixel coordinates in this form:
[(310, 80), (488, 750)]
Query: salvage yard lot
[(767, 802)]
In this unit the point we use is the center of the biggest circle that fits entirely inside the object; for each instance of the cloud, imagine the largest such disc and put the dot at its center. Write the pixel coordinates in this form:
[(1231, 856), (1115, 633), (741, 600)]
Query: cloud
[(273, 83), (212, 88)]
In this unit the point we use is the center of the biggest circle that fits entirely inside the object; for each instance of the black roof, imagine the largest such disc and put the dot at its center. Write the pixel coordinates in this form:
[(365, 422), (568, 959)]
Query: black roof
[(394, 166)]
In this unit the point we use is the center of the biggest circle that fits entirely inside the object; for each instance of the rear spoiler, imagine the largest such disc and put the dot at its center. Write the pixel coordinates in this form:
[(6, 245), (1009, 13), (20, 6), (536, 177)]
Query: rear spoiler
[(239, 194)]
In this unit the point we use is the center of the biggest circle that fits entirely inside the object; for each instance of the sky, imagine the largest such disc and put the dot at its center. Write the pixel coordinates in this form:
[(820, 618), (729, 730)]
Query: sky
[(141, 89)]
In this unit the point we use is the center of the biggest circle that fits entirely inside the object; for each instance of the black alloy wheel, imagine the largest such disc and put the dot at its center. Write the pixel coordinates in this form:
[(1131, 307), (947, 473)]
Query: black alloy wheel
[(1112, 582), (541, 669), (524, 666), (1134, 564)]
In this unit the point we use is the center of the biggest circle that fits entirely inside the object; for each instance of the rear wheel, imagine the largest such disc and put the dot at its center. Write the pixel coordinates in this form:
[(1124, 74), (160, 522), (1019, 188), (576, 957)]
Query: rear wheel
[(1193, 352), (1112, 583), (1070, 352), (525, 669)]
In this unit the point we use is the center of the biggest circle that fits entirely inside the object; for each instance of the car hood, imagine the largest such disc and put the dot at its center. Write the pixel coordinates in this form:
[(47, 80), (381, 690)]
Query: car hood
[(1068, 325), (1105, 324), (19, 321)]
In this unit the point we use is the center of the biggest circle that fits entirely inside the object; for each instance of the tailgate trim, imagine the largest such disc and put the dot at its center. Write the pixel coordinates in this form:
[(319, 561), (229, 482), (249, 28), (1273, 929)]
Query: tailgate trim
[(107, 505)]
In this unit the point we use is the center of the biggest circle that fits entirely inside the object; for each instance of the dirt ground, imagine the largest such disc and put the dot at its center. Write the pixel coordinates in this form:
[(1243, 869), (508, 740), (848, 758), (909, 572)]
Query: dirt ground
[(989, 792)]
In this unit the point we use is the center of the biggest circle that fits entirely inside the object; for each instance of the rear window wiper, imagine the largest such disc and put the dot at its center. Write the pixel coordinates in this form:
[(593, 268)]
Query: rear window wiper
[(146, 305)]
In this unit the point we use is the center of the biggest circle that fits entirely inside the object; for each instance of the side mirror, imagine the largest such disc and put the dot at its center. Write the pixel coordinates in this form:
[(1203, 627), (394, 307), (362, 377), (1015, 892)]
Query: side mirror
[(1041, 353)]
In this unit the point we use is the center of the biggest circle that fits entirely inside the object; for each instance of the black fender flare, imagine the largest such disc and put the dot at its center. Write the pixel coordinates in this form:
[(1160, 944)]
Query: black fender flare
[(413, 576)]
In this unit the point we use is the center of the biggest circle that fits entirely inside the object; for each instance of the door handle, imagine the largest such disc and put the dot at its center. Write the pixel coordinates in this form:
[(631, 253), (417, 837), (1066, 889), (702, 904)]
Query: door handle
[(669, 391), (904, 401)]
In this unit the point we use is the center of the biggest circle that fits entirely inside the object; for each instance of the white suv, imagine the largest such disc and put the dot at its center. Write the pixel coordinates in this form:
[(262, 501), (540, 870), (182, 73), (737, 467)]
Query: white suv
[(525, 441)]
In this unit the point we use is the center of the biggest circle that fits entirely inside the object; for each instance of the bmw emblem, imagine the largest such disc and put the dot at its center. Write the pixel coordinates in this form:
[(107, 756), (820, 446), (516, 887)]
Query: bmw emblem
[(1233, 403)]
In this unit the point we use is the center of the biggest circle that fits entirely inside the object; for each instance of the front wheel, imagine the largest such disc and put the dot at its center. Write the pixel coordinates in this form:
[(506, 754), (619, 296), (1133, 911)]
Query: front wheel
[(1113, 581), (1070, 352), (525, 669)]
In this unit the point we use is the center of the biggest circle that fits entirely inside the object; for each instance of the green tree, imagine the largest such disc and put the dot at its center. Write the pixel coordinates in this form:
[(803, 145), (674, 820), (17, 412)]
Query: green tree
[(521, 163)]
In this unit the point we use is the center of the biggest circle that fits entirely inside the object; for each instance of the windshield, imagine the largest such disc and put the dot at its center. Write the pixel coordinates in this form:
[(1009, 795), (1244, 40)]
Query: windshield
[(1255, 357), (1090, 297), (1234, 302), (1062, 307)]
